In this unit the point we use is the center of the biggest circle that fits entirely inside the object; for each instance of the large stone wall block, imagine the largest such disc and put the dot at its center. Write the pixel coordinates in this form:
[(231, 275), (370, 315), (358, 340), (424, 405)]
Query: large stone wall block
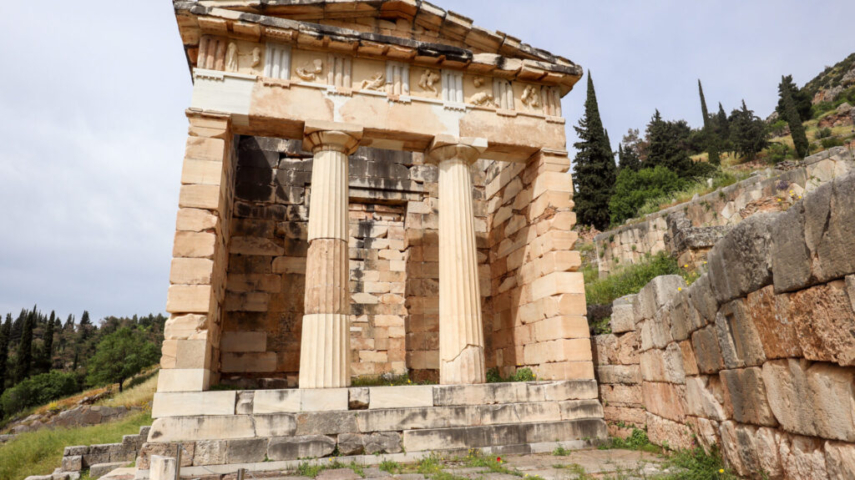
[(619, 374), (791, 262), (277, 425), (745, 396), (813, 400), (591, 428), (621, 395), (825, 323), (171, 429), (840, 460), (738, 337), (741, 262), (703, 298), (561, 390), (162, 468), (250, 450), (293, 448), (323, 399), (327, 423), (579, 409), (835, 251), (656, 294), (400, 397), (684, 317), (707, 350), (623, 318), (750, 450), (662, 431), (776, 327), (383, 442), (802, 458), (192, 404), (276, 401), (665, 399), (704, 398)]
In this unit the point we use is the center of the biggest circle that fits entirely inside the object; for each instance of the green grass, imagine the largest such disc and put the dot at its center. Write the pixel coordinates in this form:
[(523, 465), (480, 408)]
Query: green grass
[(699, 465), (305, 469), (379, 381), (631, 278), (391, 466), (520, 375), (637, 441), (721, 179), (39, 453)]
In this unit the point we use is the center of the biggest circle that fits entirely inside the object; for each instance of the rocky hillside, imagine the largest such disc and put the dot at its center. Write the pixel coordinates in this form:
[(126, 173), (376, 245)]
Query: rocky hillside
[(828, 85)]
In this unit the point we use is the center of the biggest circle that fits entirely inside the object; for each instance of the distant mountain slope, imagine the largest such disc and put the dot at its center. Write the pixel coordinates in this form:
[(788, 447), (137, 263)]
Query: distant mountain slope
[(826, 86)]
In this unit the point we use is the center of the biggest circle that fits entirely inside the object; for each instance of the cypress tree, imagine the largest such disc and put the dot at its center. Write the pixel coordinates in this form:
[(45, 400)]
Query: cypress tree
[(594, 170), (47, 350), (801, 99), (25, 348), (797, 130), (712, 141), (628, 158), (85, 326), (748, 133), (5, 333), (665, 146)]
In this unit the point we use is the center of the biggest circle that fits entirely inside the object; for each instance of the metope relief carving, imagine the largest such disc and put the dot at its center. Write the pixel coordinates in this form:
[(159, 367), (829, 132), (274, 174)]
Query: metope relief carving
[(482, 99), (478, 82), (310, 71), (531, 97), (376, 82), (256, 57), (277, 61), (398, 79), (339, 71), (452, 86), (427, 82), (503, 94)]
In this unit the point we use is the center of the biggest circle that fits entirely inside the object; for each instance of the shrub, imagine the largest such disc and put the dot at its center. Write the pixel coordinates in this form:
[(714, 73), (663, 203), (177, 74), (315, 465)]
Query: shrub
[(823, 133), (778, 152), (39, 390), (633, 189), (630, 279), (821, 108), (778, 128), (831, 142)]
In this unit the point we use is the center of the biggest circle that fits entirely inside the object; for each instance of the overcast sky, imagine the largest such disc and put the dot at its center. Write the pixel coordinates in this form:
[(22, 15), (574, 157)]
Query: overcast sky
[(92, 126)]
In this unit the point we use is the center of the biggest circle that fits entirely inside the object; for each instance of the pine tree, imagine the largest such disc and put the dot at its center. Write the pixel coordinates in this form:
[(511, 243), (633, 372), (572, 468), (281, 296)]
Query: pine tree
[(801, 99), (709, 134), (749, 132), (628, 158), (594, 170), (25, 348), (797, 130), (85, 326), (665, 148), (5, 333)]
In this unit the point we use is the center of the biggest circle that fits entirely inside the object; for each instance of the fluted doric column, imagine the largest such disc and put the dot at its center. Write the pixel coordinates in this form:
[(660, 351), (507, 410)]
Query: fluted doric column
[(461, 333), (325, 344)]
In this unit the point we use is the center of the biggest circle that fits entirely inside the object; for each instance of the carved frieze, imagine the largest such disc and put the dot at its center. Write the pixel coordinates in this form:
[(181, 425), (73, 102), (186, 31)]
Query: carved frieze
[(277, 61), (397, 79), (339, 71), (452, 86), (503, 93)]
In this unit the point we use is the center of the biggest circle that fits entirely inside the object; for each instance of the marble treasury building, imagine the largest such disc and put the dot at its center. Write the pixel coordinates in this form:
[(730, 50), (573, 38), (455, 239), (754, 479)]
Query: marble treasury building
[(370, 188)]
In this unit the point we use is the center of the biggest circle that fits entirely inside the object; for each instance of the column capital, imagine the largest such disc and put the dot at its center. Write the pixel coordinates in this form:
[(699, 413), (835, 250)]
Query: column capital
[(321, 135), (449, 147)]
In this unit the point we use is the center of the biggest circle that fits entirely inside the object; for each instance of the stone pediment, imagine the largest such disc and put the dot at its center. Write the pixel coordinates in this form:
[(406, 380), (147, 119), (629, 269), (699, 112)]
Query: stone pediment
[(408, 31)]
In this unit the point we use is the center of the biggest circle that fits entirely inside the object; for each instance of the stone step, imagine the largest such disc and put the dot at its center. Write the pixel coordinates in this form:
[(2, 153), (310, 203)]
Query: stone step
[(498, 435), (101, 469)]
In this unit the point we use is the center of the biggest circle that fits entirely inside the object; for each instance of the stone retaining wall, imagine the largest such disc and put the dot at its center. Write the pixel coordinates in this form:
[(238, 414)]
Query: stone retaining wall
[(766, 191), (260, 430), (758, 355)]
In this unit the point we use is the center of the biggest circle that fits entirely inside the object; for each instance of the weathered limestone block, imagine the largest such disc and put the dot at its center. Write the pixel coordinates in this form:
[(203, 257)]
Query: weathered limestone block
[(249, 450), (703, 399), (195, 220), (73, 463), (619, 374), (824, 323), (812, 400), (750, 450), (662, 430), (703, 298), (351, 444), (623, 319), (740, 263), (151, 450), (293, 448), (172, 429), (834, 252), (656, 332), (636, 416), (840, 460), (319, 400), (791, 259), (162, 468), (276, 401), (745, 396), (775, 326), (738, 337), (210, 452), (707, 433), (193, 403), (802, 458), (383, 442), (655, 294), (673, 362), (326, 423), (358, 398), (707, 350), (555, 328), (665, 399), (400, 397), (621, 394), (690, 363), (579, 409), (653, 366), (275, 425)]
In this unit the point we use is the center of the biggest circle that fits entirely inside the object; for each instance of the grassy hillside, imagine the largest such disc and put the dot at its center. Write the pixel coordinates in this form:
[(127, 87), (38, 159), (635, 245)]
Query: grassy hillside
[(831, 76), (40, 452)]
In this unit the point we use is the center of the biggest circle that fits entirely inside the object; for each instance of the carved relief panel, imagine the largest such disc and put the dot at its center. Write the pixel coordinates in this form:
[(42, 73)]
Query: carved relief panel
[(277, 61)]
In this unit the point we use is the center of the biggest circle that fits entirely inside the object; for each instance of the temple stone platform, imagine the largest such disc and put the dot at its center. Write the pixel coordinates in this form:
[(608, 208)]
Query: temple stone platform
[(221, 431)]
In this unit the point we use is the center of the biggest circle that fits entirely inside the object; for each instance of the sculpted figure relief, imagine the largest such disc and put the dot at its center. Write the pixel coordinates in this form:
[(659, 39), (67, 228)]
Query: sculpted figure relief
[(530, 97), (232, 58), (377, 81), (482, 98), (310, 72), (428, 81), (256, 56), (478, 81)]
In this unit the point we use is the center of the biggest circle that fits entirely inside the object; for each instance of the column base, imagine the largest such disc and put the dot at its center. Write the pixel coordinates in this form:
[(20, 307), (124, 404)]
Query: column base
[(325, 351)]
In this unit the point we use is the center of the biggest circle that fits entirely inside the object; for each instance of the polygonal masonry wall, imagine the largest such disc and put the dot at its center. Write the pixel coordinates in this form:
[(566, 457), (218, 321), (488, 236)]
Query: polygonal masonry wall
[(235, 428)]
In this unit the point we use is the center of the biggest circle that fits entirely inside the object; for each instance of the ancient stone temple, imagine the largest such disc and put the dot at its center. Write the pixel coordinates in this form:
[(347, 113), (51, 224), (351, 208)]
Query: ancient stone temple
[(370, 187)]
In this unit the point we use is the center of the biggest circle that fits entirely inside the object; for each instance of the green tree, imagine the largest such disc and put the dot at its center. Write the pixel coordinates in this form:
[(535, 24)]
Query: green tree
[(801, 99), (45, 362), (120, 355), (748, 132), (594, 169), (628, 158), (633, 189), (709, 131), (797, 130), (25, 348), (667, 146), (5, 333)]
